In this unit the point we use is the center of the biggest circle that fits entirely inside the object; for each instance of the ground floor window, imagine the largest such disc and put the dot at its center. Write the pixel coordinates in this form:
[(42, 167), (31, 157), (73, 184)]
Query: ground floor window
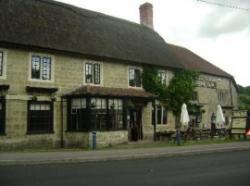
[(103, 114), (40, 117), (160, 115), (2, 116), (195, 119)]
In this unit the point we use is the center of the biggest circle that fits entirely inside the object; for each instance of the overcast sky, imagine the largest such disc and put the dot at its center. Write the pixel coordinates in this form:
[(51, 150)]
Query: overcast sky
[(219, 34)]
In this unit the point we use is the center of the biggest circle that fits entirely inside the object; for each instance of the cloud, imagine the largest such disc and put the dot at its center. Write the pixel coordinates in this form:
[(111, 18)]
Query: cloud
[(225, 21)]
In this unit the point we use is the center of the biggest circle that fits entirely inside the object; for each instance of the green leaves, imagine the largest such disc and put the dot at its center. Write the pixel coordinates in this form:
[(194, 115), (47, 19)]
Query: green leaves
[(179, 91), (244, 97), (151, 81)]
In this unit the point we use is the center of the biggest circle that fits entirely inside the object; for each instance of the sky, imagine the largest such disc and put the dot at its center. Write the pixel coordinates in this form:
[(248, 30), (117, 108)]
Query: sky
[(217, 30)]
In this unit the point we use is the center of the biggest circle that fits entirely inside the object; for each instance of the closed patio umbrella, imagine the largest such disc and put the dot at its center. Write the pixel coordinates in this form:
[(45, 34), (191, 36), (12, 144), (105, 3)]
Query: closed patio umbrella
[(184, 115), (220, 120)]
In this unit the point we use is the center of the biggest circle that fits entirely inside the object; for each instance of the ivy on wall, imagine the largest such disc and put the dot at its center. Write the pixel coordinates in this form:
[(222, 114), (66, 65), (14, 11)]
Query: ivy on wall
[(179, 91)]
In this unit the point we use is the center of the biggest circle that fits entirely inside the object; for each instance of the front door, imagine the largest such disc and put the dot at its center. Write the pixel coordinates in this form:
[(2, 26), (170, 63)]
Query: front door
[(135, 125), (2, 116)]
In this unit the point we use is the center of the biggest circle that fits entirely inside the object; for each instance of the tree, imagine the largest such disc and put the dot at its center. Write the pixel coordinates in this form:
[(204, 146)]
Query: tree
[(244, 97), (151, 81), (180, 90)]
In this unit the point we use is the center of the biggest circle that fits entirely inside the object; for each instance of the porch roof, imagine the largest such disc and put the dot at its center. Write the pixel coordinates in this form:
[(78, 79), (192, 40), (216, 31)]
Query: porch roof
[(109, 92)]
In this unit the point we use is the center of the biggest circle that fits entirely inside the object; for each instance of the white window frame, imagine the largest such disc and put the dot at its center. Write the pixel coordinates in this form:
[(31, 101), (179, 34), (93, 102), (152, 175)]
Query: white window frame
[(166, 76), (162, 113), (51, 80), (101, 72), (158, 104), (134, 67), (4, 74)]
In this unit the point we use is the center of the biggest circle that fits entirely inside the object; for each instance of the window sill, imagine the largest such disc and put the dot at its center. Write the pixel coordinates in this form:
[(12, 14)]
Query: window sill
[(92, 84), (135, 87)]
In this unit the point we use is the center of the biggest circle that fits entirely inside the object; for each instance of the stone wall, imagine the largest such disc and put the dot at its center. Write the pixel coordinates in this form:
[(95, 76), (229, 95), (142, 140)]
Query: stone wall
[(68, 74), (109, 138), (208, 97)]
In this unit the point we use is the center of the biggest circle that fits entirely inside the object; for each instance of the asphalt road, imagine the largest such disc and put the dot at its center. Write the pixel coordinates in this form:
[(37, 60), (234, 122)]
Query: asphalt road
[(229, 169)]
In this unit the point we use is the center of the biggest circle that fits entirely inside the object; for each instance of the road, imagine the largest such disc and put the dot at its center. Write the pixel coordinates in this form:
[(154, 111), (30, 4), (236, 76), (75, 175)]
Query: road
[(229, 169)]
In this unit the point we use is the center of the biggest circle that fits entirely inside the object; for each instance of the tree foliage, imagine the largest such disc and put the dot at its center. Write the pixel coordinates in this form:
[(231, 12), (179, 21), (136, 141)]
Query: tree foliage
[(244, 98), (179, 91), (151, 82)]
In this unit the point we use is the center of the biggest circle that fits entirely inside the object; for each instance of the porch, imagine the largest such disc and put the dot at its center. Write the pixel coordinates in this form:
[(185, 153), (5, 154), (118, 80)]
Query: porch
[(114, 113)]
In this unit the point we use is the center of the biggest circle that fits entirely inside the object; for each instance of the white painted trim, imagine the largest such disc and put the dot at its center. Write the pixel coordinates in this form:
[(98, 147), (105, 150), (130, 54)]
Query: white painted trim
[(101, 72), (5, 56), (134, 67), (167, 76), (52, 67)]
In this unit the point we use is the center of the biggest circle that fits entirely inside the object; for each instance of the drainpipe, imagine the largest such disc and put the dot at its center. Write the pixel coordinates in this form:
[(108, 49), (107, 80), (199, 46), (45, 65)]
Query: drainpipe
[(62, 140)]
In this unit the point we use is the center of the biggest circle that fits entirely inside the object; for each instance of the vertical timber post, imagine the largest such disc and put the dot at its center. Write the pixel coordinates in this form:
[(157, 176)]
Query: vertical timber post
[(155, 120), (62, 140)]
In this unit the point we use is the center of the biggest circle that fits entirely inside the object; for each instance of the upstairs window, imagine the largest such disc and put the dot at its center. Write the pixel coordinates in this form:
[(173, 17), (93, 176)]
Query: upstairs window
[(223, 96), (1, 63), (40, 67), (163, 77), (135, 77), (40, 117), (93, 73)]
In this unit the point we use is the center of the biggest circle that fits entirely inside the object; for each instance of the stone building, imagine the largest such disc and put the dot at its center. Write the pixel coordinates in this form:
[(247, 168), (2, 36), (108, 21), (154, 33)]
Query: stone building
[(65, 71)]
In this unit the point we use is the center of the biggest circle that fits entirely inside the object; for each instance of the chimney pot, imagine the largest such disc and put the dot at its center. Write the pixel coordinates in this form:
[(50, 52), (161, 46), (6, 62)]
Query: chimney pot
[(146, 15)]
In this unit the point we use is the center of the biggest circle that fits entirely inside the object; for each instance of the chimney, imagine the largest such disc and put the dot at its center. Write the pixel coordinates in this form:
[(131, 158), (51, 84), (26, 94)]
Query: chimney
[(146, 15)]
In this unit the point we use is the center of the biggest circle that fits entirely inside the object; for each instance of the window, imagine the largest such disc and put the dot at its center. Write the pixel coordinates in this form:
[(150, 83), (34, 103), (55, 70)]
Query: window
[(40, 67), (115, 114), (223, 96), (135, 77), (163, 77), (100, 114), (2, 116), (161, 115), (93, 73), (1, 63), (40, 117)]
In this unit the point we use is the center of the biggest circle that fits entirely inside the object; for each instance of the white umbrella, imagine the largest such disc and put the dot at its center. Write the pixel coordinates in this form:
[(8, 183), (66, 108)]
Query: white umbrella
[(220, 120), (184, 115)]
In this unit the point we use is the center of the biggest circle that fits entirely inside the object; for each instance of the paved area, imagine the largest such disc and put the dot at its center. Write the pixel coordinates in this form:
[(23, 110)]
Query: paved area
[(216, 169), (26, 158)]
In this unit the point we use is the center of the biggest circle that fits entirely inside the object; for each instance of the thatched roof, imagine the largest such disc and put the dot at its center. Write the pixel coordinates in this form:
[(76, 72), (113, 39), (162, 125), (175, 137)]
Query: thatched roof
[(192, 61), (54, 26)]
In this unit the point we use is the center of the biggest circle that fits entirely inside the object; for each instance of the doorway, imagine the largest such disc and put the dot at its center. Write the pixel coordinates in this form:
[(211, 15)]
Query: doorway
[(135, 125)]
